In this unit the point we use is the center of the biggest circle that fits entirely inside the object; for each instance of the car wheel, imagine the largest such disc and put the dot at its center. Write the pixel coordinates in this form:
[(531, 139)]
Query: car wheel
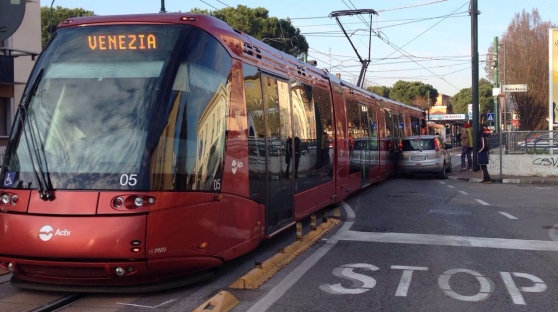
[(442, 173)]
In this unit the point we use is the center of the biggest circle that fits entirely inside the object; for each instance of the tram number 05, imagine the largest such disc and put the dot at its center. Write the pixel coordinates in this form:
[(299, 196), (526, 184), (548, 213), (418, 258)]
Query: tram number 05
[(128, 179)]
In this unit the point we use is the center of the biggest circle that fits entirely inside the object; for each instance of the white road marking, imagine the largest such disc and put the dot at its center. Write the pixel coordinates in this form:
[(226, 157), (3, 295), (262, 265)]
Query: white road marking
[(451, 186), (482, 202), (508, 215), (280, 289), (448, 240), (486, 285), (145, 306), (442, 182), (515, 292), (406, 277), (409, 238), (366, 282), (463, 192)]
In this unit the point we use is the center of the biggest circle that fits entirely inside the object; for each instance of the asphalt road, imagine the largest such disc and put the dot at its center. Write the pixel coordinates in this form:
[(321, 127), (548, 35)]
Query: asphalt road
[(428, 245)]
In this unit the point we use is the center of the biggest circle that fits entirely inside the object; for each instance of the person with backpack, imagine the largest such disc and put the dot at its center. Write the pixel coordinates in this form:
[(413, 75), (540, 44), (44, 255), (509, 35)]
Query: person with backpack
[(483, 156)]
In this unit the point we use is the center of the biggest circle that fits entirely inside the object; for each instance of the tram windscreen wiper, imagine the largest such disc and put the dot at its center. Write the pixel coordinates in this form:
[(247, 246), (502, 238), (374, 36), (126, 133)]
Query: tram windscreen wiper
[(35, 146)]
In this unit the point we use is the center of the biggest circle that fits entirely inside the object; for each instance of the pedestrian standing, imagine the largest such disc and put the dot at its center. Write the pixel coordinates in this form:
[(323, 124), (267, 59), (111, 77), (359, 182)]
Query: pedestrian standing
[(466, 147), (483, 156)]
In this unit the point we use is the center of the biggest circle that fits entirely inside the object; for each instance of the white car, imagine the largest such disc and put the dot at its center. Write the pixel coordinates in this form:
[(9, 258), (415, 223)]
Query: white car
[(424, 154)]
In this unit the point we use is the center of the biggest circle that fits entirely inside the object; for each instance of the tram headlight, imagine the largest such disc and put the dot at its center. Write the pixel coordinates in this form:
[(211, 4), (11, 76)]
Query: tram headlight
[(138, 201), (118, 202), (5, 199), (119, 271), (132, 201), (14, 199), (188, 19)]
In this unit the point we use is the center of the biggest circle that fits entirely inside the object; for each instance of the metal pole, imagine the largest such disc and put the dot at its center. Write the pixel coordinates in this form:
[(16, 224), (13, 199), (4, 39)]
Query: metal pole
[(162, 7), (497, 100), (50, 20), (496, 85), (502, 112), (475, 79)]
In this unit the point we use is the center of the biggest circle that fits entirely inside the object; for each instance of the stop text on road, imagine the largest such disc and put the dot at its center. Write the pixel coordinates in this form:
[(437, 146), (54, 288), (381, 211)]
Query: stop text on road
[(362, 283)]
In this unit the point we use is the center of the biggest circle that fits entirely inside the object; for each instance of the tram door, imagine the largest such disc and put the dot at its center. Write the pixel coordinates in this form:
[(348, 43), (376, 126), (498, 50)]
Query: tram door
[(281, 167), (269, 130)]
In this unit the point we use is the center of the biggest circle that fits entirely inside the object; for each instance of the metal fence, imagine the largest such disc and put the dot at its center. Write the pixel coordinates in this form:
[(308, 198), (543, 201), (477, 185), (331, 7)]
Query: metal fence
[(526, 142)]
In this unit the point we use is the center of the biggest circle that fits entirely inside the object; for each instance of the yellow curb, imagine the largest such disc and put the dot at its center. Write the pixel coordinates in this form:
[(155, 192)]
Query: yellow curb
[(259, 275), (2, 272), (221, 302)]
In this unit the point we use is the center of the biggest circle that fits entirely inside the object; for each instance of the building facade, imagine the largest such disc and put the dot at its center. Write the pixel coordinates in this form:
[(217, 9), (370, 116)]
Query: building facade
[(17, 57)]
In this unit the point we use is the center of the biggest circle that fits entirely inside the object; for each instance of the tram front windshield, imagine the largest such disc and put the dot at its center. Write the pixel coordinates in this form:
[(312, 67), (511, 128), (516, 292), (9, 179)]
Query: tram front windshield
[(94, 97)]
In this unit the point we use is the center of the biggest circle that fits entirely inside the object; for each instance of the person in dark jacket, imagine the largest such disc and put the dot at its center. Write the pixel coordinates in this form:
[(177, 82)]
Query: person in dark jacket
[(483, 156)]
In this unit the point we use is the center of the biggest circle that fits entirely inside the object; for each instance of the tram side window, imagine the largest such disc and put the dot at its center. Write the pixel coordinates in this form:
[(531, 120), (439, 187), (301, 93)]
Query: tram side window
[(324, 127), (189, 154), (312, 124), (359, 135), (389, 124), (256, 132), (373, 128), (415, 125), (397, 126)]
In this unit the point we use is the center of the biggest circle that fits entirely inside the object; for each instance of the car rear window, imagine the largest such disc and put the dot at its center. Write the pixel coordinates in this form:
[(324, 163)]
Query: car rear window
[(418, 144)]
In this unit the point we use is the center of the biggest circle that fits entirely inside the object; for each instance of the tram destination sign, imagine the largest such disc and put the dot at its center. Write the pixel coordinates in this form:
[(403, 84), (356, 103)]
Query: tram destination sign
[(514, 88)]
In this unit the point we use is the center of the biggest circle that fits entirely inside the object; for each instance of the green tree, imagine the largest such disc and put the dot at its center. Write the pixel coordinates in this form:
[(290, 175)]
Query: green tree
[(380, 90), (278, 33), (54, 18), (525, 45), (460, 100), (464, 97), (414, 93)]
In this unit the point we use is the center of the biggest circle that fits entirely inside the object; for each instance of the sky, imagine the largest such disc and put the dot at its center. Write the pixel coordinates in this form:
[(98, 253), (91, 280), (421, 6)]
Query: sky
[(412, 40)]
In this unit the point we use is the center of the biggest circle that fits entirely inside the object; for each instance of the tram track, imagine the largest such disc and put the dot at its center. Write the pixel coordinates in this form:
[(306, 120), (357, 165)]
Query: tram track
[(60, 303)]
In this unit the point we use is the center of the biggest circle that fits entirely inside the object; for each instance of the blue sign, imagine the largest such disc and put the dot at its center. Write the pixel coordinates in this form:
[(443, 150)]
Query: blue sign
[(9, 179), (490, 117)]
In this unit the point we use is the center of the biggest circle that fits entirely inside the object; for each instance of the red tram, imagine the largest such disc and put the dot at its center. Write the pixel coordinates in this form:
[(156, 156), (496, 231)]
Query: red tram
[(149, 149)]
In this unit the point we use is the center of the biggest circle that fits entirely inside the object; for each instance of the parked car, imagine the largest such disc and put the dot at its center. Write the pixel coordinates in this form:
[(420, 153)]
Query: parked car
[(425, 154), (539, 144)]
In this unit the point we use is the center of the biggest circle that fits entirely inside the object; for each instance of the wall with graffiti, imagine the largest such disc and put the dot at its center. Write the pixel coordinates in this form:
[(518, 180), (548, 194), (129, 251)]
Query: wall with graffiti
[(524, 165)]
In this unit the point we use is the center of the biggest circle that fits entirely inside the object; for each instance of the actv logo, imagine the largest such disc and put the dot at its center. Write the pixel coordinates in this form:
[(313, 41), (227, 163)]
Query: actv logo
[(47, 232)]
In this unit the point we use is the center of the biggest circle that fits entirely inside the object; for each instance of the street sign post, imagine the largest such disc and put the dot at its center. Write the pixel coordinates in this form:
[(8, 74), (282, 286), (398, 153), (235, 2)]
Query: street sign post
[(514, 88), (490, 118)]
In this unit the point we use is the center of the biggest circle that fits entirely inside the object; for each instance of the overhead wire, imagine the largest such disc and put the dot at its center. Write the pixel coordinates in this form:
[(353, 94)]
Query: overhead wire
[(397, 49)]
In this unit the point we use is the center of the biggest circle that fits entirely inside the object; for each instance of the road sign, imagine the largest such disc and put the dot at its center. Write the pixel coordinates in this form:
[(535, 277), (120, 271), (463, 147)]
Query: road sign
[(490, 117), (514, 88)]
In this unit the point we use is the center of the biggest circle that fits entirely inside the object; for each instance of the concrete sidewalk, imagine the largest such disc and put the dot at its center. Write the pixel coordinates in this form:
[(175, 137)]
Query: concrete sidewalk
[(472, 176)]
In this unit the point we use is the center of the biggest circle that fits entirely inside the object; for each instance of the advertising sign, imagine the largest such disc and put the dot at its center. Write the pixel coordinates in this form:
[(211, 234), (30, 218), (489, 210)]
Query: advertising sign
[(447, 117)]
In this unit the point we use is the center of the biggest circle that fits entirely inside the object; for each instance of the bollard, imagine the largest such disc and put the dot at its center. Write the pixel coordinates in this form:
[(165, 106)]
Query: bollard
[(298, 231)]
